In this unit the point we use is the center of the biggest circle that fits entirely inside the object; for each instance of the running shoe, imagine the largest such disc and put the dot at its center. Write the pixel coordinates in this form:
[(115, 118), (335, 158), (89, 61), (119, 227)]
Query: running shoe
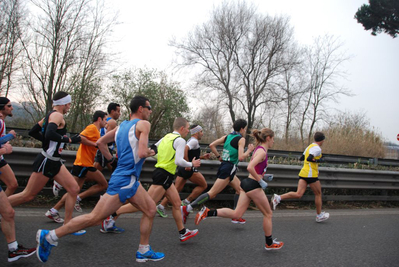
[(322, 216), (161, 211), (188, 234), (201, 215), (78, 208), (80, 232), (275, 200), (56, 188), (113, 230), (184, 213), (54, 216), (239, 221), (185, 202), (21, 252), (108, 222), (275, 245), (43, 248), (149, 256)]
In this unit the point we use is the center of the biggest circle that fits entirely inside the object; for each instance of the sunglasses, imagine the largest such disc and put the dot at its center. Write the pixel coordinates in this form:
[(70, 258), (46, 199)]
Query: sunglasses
[(149, 107)]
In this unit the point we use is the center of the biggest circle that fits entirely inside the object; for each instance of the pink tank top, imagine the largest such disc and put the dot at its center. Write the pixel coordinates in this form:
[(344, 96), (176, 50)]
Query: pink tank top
[(260, 168)]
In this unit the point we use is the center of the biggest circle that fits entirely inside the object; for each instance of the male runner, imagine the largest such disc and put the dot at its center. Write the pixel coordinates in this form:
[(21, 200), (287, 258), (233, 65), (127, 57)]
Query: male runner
[(132, 140), (48, 164), (15, 251), (170, 155), (192, 150), (6, 173), (83, 168), (308, 176)]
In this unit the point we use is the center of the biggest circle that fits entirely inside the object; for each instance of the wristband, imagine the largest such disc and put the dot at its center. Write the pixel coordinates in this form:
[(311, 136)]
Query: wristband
[(218, 157)]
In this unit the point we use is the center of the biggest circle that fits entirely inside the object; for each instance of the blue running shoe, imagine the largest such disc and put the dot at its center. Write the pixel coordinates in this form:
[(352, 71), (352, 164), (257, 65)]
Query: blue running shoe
[(112, 230), (43, 248), (80, 232), (149, 256)]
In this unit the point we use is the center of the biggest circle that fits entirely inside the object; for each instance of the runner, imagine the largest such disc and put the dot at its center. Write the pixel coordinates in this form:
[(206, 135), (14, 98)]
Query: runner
[(308, 176), (6, 173), (48, 164), (170, 155), (83, 168), (114, 111), (192, 150), (252, 189), (233, 152), (15, 251), (132, 140)]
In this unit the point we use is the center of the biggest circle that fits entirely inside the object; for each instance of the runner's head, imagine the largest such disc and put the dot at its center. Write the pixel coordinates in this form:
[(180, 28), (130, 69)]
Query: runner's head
[(141, 105), (114, 110), (181, 126), (63, 100)]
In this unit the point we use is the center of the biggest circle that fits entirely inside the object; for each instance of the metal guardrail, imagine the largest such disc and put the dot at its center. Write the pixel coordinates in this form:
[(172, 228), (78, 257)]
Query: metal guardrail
[(330, 158), (285, 176)]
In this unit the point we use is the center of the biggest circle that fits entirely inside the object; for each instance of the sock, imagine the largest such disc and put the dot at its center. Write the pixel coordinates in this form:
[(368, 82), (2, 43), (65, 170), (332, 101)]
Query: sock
[(236, 196), (78, 199), (186, 201), (161, 207), (182, 231), (114, 214), (52, 238), (13, 246), (269, 240), (53, 211), (200, 200), (143, 248), (212, 213)]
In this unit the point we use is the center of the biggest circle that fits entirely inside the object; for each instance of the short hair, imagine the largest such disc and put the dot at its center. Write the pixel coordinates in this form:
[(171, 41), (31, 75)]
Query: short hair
[(99, 114), (59, 95), (179, 122), (136, 102), (112, 106), (239, 124), (261, 135), (3, 102), (319, 136)]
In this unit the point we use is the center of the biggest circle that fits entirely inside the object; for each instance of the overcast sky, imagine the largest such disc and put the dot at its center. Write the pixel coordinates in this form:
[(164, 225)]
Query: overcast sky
[(147, 26)]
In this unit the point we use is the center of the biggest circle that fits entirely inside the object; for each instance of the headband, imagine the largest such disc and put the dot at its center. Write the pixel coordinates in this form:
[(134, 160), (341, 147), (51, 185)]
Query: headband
[(196, 130), (62, 101)]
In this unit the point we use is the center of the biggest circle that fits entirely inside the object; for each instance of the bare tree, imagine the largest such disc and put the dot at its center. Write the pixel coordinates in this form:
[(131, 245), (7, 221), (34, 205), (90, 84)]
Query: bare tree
[(239, 53), (10, 48), (323, 67)]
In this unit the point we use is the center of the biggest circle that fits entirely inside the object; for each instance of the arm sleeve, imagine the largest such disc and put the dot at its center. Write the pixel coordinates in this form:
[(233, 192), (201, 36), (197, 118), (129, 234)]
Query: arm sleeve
[(51, 133), (179, 145), (6, 138), (36, 132)]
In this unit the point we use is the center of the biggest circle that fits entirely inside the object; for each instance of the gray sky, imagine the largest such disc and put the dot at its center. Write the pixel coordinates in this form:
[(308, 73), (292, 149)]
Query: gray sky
[(147, 26)]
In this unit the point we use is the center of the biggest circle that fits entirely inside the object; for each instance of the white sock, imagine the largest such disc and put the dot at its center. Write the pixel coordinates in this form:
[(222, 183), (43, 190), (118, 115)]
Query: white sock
[(160, 206), (53, 211), (186, 201), (78, 199), (143, 248), (13, 246), (189, 208), (52, 238)]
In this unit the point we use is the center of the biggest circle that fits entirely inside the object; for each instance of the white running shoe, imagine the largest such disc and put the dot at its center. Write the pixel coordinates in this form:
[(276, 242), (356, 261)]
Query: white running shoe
[(322, 216), (275, 200), (54, 216), (77, 206), (56, 188)]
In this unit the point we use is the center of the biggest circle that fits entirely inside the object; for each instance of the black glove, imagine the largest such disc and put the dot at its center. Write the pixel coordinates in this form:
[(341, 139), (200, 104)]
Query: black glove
[(155, 148)]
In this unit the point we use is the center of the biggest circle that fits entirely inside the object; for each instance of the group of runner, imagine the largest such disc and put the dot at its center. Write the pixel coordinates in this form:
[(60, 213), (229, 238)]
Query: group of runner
[(124, 192)]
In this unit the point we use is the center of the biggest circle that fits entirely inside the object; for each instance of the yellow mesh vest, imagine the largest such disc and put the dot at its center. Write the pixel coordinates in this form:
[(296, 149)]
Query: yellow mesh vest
[(310, 169), (166, 153)]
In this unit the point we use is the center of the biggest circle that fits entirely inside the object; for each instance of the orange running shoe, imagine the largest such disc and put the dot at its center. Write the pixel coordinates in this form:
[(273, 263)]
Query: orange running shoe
[(201, 215)]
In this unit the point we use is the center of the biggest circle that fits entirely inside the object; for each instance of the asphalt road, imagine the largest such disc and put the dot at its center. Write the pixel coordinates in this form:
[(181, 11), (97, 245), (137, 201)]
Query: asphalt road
[(367, 237)]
